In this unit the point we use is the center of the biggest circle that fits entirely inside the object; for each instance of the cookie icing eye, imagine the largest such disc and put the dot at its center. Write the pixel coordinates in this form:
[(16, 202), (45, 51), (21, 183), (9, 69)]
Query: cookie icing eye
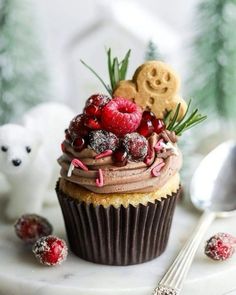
[(4, 148), (28, 149)]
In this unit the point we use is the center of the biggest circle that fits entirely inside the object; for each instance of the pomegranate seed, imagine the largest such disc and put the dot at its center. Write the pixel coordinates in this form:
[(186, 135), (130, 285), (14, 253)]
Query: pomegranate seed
[(120, 157), (93, 110), (148, 116), (78, 144), (146, 128), (92, 123), (98, 100), (158, 125), (77, 127)]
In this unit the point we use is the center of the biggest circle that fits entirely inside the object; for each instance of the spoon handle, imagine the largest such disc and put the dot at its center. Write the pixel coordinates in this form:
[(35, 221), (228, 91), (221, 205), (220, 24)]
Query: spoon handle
[(173, 280)]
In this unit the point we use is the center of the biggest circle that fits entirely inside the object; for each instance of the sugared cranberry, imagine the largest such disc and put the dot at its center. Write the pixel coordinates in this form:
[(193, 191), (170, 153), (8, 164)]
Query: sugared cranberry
[(92, 123), (77, 127), (146, 128), (50, 250), (158, 125), (102, 140), (221, 246), (120, 157), (99, 100), (121, 116), (78, 144), (93, 111), (135, 145), (31, 227)]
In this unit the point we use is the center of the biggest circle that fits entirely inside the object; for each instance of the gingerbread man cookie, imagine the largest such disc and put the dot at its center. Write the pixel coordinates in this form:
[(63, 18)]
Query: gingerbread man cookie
[(155, 87)]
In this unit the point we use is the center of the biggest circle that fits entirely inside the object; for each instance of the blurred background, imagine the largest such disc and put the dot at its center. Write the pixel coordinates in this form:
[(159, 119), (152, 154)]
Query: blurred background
[(42, 42)]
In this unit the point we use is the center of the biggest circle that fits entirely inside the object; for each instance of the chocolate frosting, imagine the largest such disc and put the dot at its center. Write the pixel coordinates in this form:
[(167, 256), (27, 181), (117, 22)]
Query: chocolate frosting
[(134, 177)]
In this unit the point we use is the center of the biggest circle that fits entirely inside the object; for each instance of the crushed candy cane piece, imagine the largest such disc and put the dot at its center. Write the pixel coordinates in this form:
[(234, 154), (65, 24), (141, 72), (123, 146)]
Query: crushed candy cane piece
[(104, 154), (76, 163), (156, 170), (100, 179)]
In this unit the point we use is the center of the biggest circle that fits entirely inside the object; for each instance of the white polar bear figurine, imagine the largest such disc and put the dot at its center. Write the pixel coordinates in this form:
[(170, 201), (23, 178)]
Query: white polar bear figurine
[(28, 157)]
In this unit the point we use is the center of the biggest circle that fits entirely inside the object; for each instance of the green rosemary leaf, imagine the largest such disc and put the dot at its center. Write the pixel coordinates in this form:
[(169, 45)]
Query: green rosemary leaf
[(110, 69), (185, 115), (124, 65), (167, 118), (100, 79), (116, 72), (173, 120)]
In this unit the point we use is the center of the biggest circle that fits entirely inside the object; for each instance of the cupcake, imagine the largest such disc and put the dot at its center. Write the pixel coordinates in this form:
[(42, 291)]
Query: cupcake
[(120, 166)]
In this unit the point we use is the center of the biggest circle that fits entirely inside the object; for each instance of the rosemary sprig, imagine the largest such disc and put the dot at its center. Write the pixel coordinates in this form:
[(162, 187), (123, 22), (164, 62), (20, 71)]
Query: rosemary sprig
[(117, 70), (187, 122)]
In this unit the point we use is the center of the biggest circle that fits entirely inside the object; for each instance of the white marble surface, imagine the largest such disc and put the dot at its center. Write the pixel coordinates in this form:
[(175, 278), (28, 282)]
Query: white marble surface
[(20, 274)]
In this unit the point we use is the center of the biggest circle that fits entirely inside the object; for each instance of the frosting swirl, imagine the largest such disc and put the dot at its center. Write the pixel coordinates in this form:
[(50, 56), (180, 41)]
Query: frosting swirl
[(134, 177)]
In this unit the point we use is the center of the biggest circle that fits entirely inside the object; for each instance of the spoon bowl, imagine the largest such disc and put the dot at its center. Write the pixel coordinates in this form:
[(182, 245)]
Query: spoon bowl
[(213, 186), (213, 191)]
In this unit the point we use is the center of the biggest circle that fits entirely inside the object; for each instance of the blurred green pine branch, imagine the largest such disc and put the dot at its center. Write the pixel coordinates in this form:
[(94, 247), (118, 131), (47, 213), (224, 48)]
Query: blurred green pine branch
[(213, 80), (23, 81), (152, 52)]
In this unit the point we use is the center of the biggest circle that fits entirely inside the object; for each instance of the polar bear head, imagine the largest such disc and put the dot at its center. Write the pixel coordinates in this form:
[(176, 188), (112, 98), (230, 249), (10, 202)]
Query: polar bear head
[(18, 147)]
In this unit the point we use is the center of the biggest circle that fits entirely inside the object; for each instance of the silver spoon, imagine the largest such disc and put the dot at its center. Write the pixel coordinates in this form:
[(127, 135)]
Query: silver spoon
[(213, 191)]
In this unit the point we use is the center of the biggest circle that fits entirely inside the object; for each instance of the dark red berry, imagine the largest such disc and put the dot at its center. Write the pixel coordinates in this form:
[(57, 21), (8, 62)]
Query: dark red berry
[(120, 157), (148, 116), (158, 125), (63, 147), (31, 227), (50, 250), (135, 145), (221, 246), (93, 110), (92, 123), (102, 140), (121, 116), (77, 127), (146, 128), (78, 144), (99, 100), (68, 136)]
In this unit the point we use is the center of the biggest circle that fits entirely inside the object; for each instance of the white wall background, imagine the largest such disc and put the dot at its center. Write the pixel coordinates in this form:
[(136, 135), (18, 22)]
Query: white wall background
[(169, 22)]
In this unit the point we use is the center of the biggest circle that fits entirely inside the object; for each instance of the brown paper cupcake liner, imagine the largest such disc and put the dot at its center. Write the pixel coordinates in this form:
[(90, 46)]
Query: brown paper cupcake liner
[(117, 236)]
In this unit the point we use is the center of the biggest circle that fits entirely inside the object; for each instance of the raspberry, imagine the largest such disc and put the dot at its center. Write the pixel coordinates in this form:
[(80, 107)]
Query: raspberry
[(31, 227), (220, 247), (102, 140), (99, 100), (77, 127), (120, 157), (136, 146), (50, 250), (121, 116)]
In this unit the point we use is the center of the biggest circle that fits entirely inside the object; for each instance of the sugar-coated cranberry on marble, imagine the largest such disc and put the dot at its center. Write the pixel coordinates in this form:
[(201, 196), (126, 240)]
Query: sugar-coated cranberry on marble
[(121, 116), (135, 145), (78, 144), (120, 157), (77, 127), (101, 141), (50, 250), (99, 100), (30, 227), (221, 246)]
